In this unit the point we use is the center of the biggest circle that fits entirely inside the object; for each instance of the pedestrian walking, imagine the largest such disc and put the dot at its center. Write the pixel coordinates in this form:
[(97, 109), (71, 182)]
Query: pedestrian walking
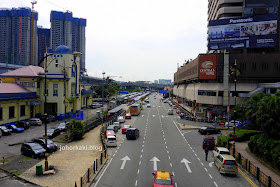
[(206, 153)]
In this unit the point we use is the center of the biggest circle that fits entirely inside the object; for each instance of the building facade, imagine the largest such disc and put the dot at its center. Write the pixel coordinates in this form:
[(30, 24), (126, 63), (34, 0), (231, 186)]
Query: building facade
[(43, 42)]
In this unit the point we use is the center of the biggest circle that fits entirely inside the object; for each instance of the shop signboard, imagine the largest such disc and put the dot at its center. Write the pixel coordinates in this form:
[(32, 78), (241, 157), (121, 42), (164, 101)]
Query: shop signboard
[(207, 67)]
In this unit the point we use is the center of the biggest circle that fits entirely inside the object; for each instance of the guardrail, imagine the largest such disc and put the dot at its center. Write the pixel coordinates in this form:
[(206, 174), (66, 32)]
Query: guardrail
[(254, 170)]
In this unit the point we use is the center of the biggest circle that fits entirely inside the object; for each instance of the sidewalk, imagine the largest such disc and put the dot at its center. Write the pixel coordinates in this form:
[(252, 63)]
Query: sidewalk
[(69, 165), (243, 149)]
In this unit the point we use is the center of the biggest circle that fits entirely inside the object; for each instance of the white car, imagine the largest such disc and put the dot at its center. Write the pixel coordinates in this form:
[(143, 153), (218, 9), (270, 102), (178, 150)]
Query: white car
[(117, 124), (148, 106), (231, 123), (220, 150), (121, 119)]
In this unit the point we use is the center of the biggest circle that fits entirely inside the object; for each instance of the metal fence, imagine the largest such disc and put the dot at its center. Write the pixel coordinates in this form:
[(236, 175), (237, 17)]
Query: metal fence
[(92, 170), (254, 171)]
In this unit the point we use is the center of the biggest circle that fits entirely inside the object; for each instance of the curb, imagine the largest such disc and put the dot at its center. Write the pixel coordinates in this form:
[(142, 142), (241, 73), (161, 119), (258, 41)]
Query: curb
[(17, 177)]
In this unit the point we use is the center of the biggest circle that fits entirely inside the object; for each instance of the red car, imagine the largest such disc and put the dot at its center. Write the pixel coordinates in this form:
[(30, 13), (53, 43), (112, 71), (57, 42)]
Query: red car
[(125, 127), (162, 179), (128, 116), (110, 133), (178, 111)]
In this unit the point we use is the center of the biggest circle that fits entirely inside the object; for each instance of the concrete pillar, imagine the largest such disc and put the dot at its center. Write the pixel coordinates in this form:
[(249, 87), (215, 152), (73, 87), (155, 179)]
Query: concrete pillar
[(226, 80)]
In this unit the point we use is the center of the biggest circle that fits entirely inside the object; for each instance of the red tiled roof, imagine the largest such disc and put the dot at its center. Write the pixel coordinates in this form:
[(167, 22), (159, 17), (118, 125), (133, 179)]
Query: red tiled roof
[(27, 71), (12, 88)]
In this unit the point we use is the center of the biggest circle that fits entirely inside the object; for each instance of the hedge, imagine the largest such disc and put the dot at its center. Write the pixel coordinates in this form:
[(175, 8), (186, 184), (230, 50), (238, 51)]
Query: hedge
[(243, 135), (266, 148)]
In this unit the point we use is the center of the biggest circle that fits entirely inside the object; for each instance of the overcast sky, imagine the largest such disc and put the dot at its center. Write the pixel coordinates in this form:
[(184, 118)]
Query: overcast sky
[(133, 39)]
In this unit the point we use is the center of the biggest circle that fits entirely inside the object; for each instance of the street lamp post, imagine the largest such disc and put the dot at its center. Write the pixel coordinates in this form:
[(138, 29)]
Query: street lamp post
[(235, 64), (102, 97)]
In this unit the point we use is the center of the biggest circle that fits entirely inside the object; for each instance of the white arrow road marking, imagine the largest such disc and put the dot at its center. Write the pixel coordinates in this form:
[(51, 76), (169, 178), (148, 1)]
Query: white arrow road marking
[(126, 158), (154, 115), (211, 164), (159, 106), (155, 160), (186, 132), (187, 164)]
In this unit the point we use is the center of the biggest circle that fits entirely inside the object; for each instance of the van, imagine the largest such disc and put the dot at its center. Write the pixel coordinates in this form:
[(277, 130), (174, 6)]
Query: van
[(226, 164), (111, 141), (209, 142), (132, 133)]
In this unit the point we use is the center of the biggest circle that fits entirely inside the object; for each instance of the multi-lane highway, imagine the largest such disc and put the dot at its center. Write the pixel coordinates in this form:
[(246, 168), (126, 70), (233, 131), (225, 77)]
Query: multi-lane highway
[(162, 146)]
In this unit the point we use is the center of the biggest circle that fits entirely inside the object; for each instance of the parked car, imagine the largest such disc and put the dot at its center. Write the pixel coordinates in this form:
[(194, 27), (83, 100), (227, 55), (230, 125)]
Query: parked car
[(125, 127), (117, 124), (127, 116), (174, 107), (132, 133), (209, 142), (110, 133), (170, 112), (95, 105), (52, 132), (22, 124), (209, 130), (0, 133), (113, 128), (111, 141), (220, 150), (148, 105), (52, 118), (226, 164), (51, 146), (33, 150), (15, 128), (231, 123), (62, 126), (121, 119), (35, 121), (162, 178), (44, 118), (5, 131)]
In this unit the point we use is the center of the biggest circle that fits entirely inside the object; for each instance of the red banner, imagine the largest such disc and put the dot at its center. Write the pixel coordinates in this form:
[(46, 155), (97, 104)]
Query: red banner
[(207, 67)]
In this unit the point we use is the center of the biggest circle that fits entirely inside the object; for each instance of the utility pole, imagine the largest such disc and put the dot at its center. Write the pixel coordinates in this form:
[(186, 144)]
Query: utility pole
[(102, 110), (235, 64)]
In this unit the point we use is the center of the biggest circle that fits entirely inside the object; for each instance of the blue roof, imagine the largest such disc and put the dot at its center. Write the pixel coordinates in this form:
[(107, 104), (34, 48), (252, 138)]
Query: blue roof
[(62, 49)]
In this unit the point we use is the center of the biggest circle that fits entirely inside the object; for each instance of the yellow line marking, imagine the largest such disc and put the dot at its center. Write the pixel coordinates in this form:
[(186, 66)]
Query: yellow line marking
[(247, 178)]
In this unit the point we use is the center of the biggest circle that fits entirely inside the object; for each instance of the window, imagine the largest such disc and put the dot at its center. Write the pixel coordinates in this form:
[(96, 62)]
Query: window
[(22, 110), (84, 101), (1, 113), (55, 89), (220, 94), (11, 112), (254, 66), (73, 89)]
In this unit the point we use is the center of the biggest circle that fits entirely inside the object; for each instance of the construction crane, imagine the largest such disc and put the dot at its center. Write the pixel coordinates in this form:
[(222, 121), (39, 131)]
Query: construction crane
[(34, 2)]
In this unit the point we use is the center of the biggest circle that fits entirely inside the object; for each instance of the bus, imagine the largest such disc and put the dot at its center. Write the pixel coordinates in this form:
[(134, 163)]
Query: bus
[(135, 109)]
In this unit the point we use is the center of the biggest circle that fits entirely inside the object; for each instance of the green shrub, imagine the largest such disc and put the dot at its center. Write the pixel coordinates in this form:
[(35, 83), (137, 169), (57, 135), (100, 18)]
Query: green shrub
[(76, 129), (222, 141), (243, 135), (266, 148)]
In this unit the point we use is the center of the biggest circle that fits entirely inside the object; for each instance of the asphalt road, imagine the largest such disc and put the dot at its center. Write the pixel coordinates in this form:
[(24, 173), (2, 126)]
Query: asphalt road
[(162, 146)]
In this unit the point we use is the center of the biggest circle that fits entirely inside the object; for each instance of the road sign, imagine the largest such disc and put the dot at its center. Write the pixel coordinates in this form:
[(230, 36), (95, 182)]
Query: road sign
[(234, 136), (226, 132), (222, 123), (123, 92)]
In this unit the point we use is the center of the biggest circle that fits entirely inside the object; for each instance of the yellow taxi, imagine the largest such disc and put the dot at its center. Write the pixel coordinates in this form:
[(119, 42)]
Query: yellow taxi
[(125, 127), (162, 179)]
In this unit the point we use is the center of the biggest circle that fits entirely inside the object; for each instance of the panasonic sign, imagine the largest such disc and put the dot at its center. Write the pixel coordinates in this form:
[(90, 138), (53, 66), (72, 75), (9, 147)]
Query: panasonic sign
[(241, 20)]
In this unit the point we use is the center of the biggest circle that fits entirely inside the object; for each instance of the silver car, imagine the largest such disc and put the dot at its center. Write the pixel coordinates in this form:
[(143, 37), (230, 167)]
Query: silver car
[(35, 121)]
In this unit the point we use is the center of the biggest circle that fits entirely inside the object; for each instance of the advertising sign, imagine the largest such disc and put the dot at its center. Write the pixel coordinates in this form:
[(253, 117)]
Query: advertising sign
[(162, 91), (207, 67), (244, 32)]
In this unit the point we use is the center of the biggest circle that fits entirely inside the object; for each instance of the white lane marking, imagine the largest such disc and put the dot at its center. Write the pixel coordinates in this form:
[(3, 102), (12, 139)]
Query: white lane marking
[(198, 159), (136, 183), (103, 172), (164, 139), (138, 171), (140, 156), (124, 159), (191, 147), (169, 157), (139, 162), (215, 184), (166, 147), (118, 147), (176, 184), (163, 132), (144, 138), (143, 141), (202, 164), (211, 164), (193, 151), (171, 164), (142, 150), (206, 170), (195, 154), (164, 142), (210, 176), (167, 152), (143, 145), (173, 173), (114, 154), (116, 151)]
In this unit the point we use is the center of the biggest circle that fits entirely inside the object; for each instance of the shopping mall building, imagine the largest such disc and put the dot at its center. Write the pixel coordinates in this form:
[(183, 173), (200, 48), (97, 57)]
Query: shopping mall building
[(241, 33)]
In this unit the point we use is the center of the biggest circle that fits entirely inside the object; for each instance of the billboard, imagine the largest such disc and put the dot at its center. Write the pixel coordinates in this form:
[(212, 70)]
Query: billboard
[(244, 32), (207, 67)]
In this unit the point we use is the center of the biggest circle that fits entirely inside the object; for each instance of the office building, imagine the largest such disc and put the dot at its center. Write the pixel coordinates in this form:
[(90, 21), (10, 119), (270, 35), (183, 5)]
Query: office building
[(18, 42), (69, 31), (43, 41)]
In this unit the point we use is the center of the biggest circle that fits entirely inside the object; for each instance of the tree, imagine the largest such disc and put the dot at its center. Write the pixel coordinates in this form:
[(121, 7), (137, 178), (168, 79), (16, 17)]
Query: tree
[(76, 129)]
